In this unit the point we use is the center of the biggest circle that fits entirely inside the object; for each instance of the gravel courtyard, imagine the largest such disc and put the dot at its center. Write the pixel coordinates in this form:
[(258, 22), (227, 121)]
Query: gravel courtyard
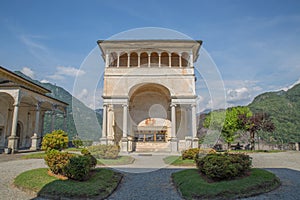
[(156, 184)]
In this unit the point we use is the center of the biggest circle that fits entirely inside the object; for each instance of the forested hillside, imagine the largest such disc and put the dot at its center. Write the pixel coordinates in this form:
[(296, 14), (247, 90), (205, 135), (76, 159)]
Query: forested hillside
[(284, 110)]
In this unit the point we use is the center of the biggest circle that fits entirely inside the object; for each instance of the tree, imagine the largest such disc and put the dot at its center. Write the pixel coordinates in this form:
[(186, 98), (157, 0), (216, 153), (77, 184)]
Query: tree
[(228, 120), (255, 123)]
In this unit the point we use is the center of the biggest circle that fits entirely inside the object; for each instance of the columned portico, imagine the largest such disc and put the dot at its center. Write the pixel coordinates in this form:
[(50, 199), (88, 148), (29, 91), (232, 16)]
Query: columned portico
[(149, 94), (23, 104)]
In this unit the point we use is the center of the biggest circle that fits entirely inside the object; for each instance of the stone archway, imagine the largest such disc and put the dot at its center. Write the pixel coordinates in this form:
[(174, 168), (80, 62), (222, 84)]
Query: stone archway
[(149, 110)]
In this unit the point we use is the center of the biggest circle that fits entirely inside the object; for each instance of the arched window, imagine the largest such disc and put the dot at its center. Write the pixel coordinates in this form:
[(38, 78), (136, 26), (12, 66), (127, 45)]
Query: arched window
[(175, 60), (144, 59), (184, 59), (123, 59), (154, 59), (164, 59), (133, 59)]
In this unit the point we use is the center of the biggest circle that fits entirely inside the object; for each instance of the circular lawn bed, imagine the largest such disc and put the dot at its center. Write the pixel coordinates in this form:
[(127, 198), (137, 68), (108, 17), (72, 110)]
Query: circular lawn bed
[(101, 184), (191, 185)]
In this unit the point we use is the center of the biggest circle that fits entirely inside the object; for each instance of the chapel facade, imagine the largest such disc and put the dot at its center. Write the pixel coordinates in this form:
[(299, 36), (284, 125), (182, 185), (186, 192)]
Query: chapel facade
[(149, 97), (22, 108)]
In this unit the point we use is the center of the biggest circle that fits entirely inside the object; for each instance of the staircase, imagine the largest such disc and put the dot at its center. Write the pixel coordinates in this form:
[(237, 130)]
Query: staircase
[(153, 147)]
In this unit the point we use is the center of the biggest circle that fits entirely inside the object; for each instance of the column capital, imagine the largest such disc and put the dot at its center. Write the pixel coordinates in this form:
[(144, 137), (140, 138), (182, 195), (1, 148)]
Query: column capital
[(125, 105), (105, 105), (193, 105), (173, 105)]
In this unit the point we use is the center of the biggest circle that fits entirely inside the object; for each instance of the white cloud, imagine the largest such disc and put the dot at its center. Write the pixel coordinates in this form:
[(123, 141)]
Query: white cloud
[(238, 95), (28, 72), (69, 71), (44, 81), (62, 71)]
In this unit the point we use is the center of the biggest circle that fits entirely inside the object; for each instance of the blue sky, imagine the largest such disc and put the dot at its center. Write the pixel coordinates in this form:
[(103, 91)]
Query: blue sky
[(255, 44)]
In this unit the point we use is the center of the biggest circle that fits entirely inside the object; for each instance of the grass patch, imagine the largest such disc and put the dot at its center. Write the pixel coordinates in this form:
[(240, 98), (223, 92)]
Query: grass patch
[(192, 186), (102, 183), (39, 155), (121, 160), (178, 161), (73, 149)]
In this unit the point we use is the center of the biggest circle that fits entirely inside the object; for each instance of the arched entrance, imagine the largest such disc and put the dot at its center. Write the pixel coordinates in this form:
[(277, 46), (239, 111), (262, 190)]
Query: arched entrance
[(149, 110)]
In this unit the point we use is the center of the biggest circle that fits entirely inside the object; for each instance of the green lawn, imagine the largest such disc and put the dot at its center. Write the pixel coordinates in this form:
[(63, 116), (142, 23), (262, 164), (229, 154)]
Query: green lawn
[(192, 186), (121, 160), (38, 155), (102, 183), (178, 161)]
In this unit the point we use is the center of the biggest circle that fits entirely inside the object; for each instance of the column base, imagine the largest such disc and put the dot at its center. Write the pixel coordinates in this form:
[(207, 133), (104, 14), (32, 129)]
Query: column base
[(174, 145), (13, 143), (103, 140), (35, 142), (124, 145), (195, 142), (188, 142), (110, 141)]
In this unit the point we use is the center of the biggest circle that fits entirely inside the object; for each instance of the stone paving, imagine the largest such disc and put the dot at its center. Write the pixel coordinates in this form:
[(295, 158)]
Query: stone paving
[(149, 178)]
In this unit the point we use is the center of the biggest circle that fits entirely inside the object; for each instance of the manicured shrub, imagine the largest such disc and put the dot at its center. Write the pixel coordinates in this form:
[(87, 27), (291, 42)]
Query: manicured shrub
[(77, 142), (104, 151), (224, 166), (93, 160), (78, 168), (85, 151), (194, 152), (57, 160), (57, 140), (190, 153)]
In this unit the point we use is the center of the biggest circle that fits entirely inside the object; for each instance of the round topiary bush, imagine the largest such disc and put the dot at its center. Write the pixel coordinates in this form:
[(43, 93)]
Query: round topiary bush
[(57, 160), (224, 166), (58, 140), (78, 168)]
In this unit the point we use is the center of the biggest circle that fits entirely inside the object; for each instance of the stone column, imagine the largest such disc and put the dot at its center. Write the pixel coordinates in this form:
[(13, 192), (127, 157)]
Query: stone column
[(110, 125), (118, 59), (173, 139), (191, 60), (128, 60), (65, 119), (103, 139), (149, 59), (124, 146), (36, 133), (194, 127), (13, 139), (53, 113), (139, 60), (106, 59), (180, 63), (159, 60), (170, 60)]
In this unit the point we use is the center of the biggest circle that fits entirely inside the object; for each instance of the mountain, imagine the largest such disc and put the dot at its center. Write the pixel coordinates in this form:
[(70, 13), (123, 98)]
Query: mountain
[(81, 120), (283, 107)]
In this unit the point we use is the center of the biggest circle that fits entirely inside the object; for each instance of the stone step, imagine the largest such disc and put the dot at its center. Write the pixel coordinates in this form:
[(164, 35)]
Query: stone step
[(152, 147)]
